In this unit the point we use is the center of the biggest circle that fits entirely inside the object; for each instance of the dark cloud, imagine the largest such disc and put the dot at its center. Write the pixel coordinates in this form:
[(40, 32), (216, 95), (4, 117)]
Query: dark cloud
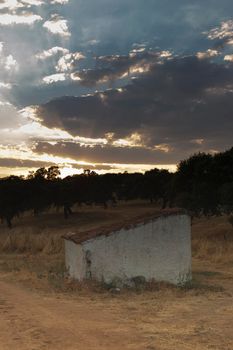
[(12, 163), (179, 100), (16, 163), (165, 154), (112, 68), (105, 154)]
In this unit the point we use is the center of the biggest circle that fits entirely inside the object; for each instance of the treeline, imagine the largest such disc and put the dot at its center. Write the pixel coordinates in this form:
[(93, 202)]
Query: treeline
[(203, 184)]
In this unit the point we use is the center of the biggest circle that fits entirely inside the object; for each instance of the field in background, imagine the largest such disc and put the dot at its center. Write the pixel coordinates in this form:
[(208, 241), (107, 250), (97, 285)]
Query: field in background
[(212, 238), (162, 317)]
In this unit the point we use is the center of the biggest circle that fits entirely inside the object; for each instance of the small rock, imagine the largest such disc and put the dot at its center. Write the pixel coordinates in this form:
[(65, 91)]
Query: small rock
[(115, 290)]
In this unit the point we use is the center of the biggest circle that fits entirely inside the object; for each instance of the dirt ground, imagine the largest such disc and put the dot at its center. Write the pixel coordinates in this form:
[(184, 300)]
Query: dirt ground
[(35, 316)]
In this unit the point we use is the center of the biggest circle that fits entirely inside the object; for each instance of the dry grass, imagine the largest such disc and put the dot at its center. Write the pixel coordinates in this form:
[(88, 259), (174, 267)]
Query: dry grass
[(218, 252), (30, 243), (212, 239), (43, 233)]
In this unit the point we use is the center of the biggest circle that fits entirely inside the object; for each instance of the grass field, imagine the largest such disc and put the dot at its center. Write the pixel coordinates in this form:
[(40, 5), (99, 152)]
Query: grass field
[(47, 311)]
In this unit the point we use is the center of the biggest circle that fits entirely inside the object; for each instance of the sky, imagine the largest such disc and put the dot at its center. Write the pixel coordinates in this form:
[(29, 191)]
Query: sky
[(113, 86)]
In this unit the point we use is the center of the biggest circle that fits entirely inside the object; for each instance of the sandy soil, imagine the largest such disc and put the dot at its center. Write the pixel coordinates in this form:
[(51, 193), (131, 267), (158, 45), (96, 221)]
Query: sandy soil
[(169, 319)]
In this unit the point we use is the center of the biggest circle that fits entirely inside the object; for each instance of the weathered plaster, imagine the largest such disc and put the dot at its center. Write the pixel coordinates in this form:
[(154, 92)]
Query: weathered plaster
[(159, 249)]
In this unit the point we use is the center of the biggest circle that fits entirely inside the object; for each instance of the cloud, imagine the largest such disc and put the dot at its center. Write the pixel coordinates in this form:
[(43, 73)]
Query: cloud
[(16, 4), (23, 152), (62, 61), (222, 35), (4, 86), (174, 103), (54, 78), (60, 1), (9, 117), (7, 61), (108, 31), (16, 163), (7, 19), (228, 58), (10, 62), (207, 54), (9, 4), (225, 30), (128, 79), (13, 5), (53, 51), (69, 61), (114, 67), (33, 2), (37, 132), (11, 123), (106, 154), (9, 66), (57, 25), (162, 156)]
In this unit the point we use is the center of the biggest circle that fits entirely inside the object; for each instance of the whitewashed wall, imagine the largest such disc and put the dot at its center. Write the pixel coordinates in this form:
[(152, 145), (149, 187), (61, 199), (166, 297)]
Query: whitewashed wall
[(74, 259), (160, 249)]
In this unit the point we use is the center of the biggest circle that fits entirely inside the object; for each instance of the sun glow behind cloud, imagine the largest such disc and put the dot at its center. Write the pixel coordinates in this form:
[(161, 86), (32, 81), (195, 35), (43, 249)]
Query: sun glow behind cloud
[(31, 130), (35, 130), (120, 95)]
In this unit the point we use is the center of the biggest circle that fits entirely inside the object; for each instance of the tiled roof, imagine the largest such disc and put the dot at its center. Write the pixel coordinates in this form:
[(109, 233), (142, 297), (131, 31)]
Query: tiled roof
[(84, 236)]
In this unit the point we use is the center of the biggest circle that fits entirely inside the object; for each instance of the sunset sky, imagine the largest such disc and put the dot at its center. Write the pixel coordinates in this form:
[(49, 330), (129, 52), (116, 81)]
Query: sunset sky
[(113, 85)]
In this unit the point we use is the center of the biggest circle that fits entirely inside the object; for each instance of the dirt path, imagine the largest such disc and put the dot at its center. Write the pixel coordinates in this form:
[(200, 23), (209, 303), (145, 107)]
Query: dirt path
[(31, 321)]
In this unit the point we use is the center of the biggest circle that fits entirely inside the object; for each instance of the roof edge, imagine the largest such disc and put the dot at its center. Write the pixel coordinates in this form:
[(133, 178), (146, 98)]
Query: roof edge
[(107, 230)]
